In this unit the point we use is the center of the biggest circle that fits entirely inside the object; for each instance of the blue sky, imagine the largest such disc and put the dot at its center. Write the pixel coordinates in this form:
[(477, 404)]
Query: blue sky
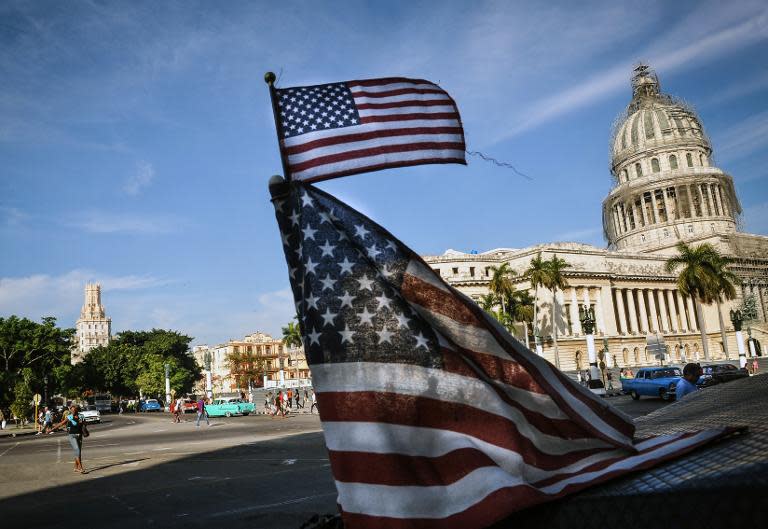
[(136, 138)]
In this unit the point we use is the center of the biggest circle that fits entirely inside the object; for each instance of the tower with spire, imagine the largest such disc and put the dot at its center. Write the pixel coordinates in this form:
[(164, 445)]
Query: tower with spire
[(94, 329)]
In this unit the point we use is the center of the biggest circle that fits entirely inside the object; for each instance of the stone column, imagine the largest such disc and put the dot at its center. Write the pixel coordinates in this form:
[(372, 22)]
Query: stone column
[(692, 314), (604, 299), (643, 314), (575, 322), (620, 310), (634, 213), (655, 207), (672, 311), (713, 189), (654, 315), (691, 205), (642, 209), (615, 221), (701, 199), (666, 203), (710, 202), (683, 320), (663, 311), (632, 311), (723, 200)]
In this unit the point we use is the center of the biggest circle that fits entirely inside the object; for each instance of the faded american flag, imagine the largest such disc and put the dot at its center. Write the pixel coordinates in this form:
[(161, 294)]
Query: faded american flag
[(433, 415), (352, 127)]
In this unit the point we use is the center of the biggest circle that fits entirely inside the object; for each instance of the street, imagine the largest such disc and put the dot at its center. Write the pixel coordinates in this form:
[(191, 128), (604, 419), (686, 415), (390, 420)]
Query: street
[(143, 470)]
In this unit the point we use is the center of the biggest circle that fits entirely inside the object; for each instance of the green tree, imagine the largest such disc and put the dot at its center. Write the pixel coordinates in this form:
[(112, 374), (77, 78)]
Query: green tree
[(538, 276), (292, 334), (31, 352), (521, 309), (703, 276), (247, 368), (501, 284), (487, 302), (555, 280)]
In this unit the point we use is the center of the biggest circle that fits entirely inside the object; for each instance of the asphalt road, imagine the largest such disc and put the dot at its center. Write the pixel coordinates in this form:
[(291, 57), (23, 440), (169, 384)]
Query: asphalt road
[(144, 471)]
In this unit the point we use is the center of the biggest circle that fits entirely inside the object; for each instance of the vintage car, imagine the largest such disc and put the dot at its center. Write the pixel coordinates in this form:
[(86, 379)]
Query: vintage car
[(652, 382), (719, 373), (189, 406), (246, 407), (151, 405), (90, 414), (223, 408)]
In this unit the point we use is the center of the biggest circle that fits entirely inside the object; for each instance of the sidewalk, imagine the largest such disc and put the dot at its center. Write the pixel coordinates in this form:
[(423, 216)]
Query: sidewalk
[(12, 431)]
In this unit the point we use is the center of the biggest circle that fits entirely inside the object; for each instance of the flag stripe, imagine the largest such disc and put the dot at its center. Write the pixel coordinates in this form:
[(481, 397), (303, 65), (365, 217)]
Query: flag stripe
[(319, 154), (308, 137), (406, 103), (371, 93), (442, 110), (380, 161), (371, 135), (388, 83), (408, 117)]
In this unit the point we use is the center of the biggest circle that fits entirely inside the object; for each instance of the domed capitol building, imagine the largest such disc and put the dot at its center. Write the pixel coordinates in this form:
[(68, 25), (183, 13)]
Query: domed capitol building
[(665, 190)]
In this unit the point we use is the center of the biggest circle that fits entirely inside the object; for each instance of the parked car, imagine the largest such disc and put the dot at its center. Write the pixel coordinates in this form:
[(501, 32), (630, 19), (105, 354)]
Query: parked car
[(151, 405), (245, 406), (223, 408), (90, 414), (652, 382), (719, 373), (189, 406)]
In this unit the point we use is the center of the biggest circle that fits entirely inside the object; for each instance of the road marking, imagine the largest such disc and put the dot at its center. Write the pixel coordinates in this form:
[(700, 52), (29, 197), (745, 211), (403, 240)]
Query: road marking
[(288, 462), (9, 449), (160, 449), (268, 505)]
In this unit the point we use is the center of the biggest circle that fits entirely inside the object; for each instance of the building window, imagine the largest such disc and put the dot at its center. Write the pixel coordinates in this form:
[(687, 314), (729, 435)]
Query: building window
[(690, 228), (455, 271), (655, 165), (673, 162), (638, 170), (436, 270), (642, 237), (689, 159), (666, 232), (472, 271), (624, 175), (712, 225)]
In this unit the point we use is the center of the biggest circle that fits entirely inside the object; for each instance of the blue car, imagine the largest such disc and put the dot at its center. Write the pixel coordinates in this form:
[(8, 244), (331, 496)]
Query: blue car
[(150, 405), (653, 382)]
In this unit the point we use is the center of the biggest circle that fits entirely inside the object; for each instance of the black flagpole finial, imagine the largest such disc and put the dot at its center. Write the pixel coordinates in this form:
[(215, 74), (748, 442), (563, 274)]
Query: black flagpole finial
[(270, 78)]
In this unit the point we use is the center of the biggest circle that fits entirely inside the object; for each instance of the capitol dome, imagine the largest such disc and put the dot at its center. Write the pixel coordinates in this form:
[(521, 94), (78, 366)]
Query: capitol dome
[(666, 188)]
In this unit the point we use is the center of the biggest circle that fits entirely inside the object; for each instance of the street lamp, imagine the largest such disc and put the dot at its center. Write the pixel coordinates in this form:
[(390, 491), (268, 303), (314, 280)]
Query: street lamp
[(207, 359), (587, 319), (737, 319), (167, 386)]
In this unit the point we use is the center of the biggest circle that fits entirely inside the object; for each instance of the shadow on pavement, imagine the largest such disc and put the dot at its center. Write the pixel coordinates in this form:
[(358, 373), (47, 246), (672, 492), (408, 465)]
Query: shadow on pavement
[(275, 483)]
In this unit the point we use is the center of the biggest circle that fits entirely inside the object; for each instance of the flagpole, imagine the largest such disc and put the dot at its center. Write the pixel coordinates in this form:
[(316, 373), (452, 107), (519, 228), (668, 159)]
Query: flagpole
[(270, 79)]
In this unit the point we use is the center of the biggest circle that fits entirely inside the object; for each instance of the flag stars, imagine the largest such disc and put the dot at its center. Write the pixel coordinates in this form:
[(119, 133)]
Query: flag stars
[(372, 251), (314, 337), (365, 283), (385, 336), (309, 232), (311, 302), (306, 201), (421, 341), (327, 249), (328, 283), (360, 231), (402, 320), (346, 335), (328, 317), (346, 300), (366, 317), (346, 266), (384, 301), (309, 266), (295, 217)]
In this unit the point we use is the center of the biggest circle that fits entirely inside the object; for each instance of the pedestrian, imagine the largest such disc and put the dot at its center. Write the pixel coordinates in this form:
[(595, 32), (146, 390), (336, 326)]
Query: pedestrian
[(578, 378), (609, 377), (755, 366), (268, 402), (687, 384), (290, 398), (76, 430), (278, 405), (314, 403), (201, 412), (39, 422), (2, 419), (48, 421), (297, 397), (179, 409)]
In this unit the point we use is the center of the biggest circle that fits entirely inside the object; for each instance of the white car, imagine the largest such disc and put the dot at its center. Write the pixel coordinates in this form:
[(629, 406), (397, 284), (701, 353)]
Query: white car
[(90, 414)]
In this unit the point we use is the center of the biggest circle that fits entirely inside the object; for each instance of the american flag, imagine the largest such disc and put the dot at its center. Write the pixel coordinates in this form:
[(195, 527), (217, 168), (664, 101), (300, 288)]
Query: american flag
[(353, 127), (433, 415)]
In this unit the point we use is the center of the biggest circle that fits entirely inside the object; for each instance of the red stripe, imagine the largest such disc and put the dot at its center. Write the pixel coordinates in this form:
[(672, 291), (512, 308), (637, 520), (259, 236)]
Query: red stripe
[(380, 166), (412, 103), (397, 92), (407, 410), (499, 504), (373, 151), (408, 117), (506, 371), (364, 136), (449, 304), (388, 80)]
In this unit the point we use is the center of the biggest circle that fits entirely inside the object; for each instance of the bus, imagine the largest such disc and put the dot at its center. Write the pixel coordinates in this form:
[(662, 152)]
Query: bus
[(102, 402)]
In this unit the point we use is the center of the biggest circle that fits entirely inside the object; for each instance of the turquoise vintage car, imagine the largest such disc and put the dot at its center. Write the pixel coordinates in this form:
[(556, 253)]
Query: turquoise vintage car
[(224, 408), (246, 407)]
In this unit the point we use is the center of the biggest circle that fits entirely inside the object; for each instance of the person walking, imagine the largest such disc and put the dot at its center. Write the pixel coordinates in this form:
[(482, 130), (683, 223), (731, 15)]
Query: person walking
[(76, 430), (314, 403), (290, 398), (687, 384), (48, 421), (297, 398), (179, 409), (201, 412), (755, 366), (2, 419), (278, 405)]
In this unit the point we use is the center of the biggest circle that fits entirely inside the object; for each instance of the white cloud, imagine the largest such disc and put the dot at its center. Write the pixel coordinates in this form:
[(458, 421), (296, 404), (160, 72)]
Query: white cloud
[(142, 178), (109, 222), (62, 296), (744, 138)]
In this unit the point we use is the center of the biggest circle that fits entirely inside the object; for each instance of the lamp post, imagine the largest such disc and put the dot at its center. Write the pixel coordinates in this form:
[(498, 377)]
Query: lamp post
[(587, 318), (167, 387), (737, 319), (207, 358), (751, 342)]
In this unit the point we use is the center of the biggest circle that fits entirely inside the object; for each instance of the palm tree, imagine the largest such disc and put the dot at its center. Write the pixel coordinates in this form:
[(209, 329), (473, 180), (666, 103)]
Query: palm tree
[(501, 283), (725, 280), (703, 277), (292, 334), (487, 302), (556, 281), (521, 309), (537, 275)]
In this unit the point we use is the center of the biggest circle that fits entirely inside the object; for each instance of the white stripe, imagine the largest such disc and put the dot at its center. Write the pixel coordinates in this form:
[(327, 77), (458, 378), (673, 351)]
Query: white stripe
[(368, 127), (367, 144), (442, 501), (405, 110), (402, 97), (423, 273), (379, 159), (415, 441), (418, 381), (386, 87)]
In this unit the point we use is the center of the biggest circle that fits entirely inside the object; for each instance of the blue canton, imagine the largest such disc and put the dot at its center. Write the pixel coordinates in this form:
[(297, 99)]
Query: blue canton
[(346, 273), (310, 108)]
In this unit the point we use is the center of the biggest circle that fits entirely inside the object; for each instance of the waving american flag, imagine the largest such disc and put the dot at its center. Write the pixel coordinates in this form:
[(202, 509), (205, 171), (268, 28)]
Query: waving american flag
[(353, 127), (433, 415)]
